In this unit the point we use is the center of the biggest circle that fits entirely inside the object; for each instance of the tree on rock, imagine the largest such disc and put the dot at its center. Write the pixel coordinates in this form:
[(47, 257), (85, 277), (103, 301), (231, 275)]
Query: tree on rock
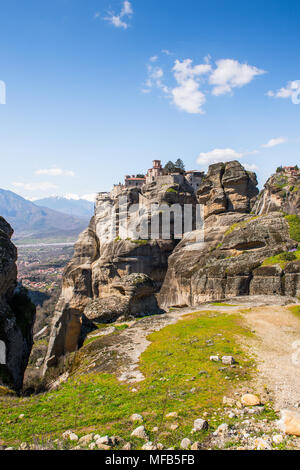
[(179, 164), (170, 166)]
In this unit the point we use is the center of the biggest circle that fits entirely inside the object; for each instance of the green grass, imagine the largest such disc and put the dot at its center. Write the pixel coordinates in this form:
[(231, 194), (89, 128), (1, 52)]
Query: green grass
[(239, 225), (222, 304), (294, 225), (93, 336), (171, 190), (171, 366), (140, 242), (281, 181), (295, 310), (282, 258)]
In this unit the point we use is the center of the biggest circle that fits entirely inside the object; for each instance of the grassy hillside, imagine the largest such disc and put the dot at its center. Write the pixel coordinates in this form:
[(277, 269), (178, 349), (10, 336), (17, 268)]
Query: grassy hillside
[(179, 376)]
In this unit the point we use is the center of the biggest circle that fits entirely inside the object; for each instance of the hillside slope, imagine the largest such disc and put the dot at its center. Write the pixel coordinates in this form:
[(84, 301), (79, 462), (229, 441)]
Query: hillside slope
[(77, 208), (31, 221)]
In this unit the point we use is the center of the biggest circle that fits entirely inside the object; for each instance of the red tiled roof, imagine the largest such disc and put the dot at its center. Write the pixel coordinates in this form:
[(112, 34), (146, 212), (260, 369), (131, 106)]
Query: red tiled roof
[(135, 179)]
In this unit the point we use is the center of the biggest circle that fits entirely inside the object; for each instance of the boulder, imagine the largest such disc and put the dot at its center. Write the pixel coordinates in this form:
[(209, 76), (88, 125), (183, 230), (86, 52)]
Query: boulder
[(172, 414), (149, 446), (289, 422), (103, 440), (136, 417), (140, 433), (262, 444), (221, 430), (200, 425), (214, 358), (185, 444), (250, 400), (228, 360), (196, 446), (87, 439), (127, 446), (133, 295)]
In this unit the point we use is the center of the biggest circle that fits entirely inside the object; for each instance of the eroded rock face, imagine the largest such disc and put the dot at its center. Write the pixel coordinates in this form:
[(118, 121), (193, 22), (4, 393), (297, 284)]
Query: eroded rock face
[(17, 315), (236, 243), (230, 265), (131, 295), (281, 193), (227, 187), (100, 282)]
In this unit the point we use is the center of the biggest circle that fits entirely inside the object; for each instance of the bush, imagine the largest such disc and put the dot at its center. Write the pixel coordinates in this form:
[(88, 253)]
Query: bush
[(294, 225)]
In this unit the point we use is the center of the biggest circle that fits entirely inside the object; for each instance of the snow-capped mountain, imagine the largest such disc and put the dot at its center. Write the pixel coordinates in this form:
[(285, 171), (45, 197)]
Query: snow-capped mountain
[(68, 204)]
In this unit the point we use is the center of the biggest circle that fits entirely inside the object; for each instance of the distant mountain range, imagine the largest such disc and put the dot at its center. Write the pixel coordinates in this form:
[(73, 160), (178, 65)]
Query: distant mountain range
[(76, 207), (32, 222)]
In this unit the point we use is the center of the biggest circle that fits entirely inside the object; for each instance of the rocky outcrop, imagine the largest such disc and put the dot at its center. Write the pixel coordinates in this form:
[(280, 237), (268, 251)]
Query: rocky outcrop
[(100, 282), (281, 193), (17, 315), (230, 265), (230, 261), (227, 187), (117, 273), (131, 295)]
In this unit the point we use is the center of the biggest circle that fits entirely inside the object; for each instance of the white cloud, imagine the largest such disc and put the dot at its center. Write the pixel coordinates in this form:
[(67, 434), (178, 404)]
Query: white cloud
[(230, 74), (166, 51), (127, 8), (87, 197), (45, 186), (250, 166), (155, 76), (291, 90), (187, 95), (274, 142), (218, 155), (120, 21), (54, 172), (185, 70)]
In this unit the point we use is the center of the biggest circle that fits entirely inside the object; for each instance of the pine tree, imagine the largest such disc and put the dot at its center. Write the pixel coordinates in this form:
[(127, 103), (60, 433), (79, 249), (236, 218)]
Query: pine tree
[(170, 166), (179, 164)]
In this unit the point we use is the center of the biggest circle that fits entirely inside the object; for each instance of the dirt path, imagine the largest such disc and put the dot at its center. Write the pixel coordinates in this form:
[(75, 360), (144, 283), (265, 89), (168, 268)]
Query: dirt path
[(136, 343), (276, 330)]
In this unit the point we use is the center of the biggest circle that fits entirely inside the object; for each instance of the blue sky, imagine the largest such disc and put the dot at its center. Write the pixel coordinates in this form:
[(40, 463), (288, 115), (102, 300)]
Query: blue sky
[(96, 90)]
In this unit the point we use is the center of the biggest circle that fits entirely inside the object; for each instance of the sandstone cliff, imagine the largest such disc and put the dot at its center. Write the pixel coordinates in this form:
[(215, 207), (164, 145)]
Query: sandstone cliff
[(238, 256), (281, 193), (111, 276), (17, 315), (228, 187), (230, 263), (100, 283)]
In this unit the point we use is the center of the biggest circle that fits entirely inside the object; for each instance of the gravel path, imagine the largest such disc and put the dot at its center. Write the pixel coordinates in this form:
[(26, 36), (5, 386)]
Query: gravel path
[(136, 342), (276, 330)]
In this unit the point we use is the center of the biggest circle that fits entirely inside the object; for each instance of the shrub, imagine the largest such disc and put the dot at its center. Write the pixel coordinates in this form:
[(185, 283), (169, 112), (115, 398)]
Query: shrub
[(294, 226)]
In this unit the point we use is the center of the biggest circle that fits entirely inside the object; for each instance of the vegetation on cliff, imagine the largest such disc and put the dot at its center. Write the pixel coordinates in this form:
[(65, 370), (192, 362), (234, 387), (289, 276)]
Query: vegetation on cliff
[(179, 376)]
